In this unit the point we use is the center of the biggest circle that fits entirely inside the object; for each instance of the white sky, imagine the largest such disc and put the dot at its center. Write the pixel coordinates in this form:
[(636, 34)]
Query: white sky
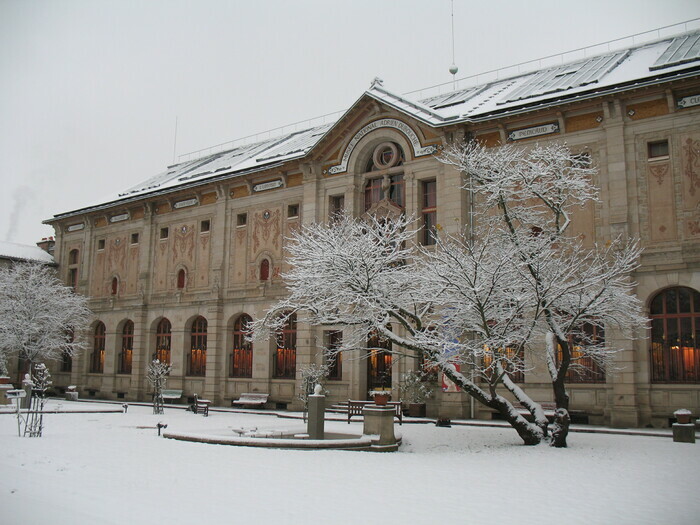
[(90, 90)]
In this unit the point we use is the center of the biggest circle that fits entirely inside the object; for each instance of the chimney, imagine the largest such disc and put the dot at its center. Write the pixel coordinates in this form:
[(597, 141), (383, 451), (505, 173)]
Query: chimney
[(47, 244)]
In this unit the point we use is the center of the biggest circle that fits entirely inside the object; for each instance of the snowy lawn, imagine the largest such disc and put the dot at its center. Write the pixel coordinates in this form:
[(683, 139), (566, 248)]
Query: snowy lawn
[(107, 469)]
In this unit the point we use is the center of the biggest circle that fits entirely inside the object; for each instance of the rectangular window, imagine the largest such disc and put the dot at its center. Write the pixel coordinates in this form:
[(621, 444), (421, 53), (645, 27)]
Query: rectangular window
[(73, 278), (657, 150), (164, 232), (332, 357), (292, 211), (374, 192), (134, 238), (429, 211), (204, 226), (101, 244), (241, 219), (583, 368), (66, 362), (336, 205), (512, 361)]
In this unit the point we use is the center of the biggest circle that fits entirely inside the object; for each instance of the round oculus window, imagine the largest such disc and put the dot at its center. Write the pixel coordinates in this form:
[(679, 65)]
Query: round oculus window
[(386, 155)]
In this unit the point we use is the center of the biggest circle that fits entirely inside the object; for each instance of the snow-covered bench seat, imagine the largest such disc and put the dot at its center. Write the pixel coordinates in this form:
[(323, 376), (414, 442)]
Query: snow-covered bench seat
[(171, 395), (251, 400), (201, 406), (355, 409)]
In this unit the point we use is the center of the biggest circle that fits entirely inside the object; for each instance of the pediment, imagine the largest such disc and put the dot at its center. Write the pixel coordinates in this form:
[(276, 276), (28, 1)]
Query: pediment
[(366, 116), (384, 209)]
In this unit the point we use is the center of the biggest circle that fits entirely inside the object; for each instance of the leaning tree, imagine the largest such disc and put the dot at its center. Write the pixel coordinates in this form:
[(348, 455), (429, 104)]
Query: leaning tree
[(514, 283), (39, 316)]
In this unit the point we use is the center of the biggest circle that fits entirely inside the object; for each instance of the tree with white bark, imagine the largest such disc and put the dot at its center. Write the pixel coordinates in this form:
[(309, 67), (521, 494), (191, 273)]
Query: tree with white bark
[(39, 316), (514, 283)]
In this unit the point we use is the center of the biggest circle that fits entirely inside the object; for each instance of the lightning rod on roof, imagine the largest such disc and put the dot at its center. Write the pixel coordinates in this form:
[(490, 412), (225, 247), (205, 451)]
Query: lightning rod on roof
[(453, 68)]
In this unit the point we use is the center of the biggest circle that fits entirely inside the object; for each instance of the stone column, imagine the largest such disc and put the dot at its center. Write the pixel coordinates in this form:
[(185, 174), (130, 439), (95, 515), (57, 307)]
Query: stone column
[(316, 417)]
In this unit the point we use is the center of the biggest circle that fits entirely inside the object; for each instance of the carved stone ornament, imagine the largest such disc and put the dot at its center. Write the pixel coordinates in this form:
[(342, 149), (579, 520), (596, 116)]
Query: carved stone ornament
[(384, 209)]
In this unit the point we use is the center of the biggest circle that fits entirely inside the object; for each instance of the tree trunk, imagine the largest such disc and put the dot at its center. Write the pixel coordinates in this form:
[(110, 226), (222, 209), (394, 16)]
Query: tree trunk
[(560, 428), (530, 433)]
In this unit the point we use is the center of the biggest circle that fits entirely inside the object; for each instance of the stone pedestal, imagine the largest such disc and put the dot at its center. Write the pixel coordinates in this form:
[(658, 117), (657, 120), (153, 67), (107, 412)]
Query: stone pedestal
[(316, 419), (379, 420), (26, 402), (684, 432), (71, 393)]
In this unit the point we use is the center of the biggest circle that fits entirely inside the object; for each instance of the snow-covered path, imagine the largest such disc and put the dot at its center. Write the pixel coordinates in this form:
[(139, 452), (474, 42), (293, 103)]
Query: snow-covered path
[(106, 469)]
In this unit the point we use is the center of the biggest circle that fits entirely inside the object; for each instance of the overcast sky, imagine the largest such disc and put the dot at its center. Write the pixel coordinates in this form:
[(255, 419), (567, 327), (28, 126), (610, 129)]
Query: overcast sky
[(90, 90)]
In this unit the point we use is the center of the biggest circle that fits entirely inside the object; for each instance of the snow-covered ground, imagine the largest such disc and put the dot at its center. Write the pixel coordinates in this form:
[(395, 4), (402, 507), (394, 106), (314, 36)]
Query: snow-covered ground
[(114, 469)]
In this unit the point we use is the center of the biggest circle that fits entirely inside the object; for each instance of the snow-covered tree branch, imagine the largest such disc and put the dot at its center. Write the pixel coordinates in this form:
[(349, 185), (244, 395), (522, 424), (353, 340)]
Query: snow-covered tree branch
[(39, 316), (512, 285)]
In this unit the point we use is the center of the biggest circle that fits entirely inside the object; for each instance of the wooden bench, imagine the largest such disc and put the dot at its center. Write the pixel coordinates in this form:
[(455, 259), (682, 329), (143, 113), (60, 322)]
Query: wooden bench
[(355, 409), (171, 395), (251, 400), (201, 406)]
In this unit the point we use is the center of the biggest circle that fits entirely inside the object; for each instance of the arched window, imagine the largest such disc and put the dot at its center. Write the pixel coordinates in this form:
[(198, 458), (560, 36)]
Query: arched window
[(97, 358), (181, 275), (286, 352), (126, 354), (115, 286), (242, 352), (264, 269), (675, 325), (379, 362), (197, 361), (163, 335), (73, 257)]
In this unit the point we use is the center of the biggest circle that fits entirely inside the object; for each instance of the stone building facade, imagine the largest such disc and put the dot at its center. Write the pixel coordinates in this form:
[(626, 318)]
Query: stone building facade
[(175, 266)]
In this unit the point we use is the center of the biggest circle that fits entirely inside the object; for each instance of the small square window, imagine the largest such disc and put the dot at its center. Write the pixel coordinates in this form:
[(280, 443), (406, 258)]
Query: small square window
[(134, 238), (241, 219), (293, 211), (101, 244), (336, 204), (658, 149), (164, 232), (204, 226)]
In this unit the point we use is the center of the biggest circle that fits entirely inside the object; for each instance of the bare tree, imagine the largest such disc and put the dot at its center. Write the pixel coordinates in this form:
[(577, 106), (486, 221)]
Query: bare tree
[(514, 283), (39, 315), (157, 374), (40, 380)]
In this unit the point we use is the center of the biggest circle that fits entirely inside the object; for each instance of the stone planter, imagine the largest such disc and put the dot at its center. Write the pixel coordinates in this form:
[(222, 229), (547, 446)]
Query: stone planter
[(381, 399), (683, 416)]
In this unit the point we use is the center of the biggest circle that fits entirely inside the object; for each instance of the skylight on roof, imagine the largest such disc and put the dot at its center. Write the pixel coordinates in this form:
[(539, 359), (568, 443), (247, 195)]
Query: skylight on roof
[(681, 50), (451, 99), (566, 77)]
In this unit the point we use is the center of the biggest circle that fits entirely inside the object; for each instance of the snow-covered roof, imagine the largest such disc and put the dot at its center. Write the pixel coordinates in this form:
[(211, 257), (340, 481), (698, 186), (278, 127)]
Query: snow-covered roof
[(647, 62), (23, 252), (671, 57)]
